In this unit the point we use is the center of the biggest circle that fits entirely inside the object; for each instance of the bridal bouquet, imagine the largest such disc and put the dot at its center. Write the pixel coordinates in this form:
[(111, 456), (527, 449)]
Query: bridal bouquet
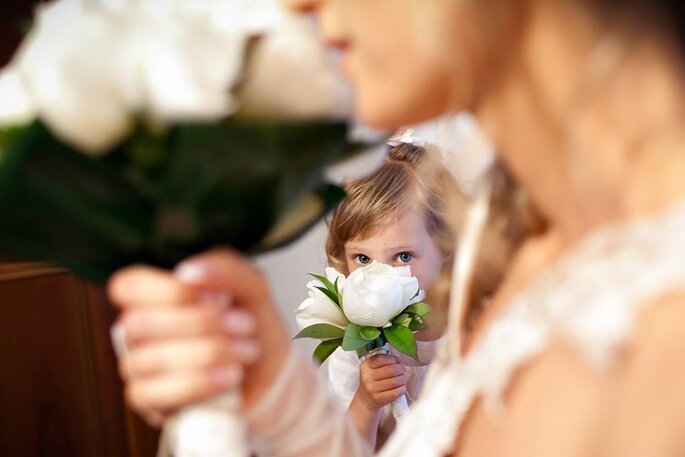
[(374, 307), (145, 131), (148, 130)]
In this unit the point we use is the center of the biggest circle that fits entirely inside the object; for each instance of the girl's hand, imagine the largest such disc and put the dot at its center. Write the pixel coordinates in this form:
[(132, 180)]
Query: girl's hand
[(190, 335), (382, 379)]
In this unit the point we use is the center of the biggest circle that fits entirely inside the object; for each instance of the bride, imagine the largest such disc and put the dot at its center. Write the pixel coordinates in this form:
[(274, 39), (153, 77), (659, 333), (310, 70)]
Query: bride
[(579, 351)]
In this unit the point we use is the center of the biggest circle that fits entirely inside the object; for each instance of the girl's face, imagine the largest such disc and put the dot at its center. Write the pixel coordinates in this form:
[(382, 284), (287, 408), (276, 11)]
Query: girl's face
[(401, 242), (396, 53)]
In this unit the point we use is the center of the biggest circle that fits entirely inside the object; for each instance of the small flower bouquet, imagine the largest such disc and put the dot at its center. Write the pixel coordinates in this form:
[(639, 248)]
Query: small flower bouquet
[(148, 130), (375, 307)]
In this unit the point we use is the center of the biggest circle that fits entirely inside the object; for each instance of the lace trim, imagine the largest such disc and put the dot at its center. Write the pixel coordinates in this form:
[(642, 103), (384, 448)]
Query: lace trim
[(591, 297)]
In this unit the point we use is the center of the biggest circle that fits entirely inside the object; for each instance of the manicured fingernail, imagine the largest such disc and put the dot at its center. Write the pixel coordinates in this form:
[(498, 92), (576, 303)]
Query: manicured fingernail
[(118, 336), (245, 351), (227, 376), (192, 272), (219, 298), (239, 322)]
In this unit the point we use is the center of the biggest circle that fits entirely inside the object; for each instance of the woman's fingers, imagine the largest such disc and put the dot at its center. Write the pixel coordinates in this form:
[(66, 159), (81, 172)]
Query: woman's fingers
[(216, 296), (143, 286), (147, 324), (225, 270), (173, 391), (194, 354)]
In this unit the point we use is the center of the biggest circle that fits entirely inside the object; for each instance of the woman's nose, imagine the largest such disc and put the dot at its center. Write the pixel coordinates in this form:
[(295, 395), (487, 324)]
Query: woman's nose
[(302, 6)]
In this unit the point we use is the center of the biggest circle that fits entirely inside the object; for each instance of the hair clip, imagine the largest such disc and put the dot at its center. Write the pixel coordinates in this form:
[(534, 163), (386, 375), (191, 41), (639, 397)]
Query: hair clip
[(406, 136)]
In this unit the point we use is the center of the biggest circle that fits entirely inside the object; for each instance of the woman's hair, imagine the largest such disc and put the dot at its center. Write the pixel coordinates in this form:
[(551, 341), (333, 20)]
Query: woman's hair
[(411, 178), (656, 16)]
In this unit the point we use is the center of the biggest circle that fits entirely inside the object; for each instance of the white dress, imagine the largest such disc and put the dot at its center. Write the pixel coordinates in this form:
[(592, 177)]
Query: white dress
[(591, 297)]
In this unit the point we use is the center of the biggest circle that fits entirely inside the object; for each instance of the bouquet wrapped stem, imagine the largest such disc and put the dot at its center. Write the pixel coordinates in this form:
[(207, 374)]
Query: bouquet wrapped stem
[(210, 429)]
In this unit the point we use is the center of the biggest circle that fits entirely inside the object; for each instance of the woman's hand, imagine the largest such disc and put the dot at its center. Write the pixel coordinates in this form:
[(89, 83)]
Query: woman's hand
[(194, 333)]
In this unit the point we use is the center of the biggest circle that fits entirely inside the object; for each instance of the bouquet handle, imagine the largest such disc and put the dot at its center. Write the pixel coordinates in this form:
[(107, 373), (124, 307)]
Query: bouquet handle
[(212, 428), (399, 406)]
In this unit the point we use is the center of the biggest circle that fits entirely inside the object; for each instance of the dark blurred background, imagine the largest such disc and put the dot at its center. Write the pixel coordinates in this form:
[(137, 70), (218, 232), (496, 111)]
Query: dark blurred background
[(60, 394)]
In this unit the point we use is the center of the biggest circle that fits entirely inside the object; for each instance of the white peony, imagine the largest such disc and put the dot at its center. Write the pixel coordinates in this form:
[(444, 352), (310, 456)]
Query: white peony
[(318, 308), (375, 294), (90, 69)]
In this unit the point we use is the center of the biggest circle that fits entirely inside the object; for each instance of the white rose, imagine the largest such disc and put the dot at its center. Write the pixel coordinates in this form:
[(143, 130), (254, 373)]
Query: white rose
[(375, 294), (66, 68), (16, 108), (88, 69), (318, 308)]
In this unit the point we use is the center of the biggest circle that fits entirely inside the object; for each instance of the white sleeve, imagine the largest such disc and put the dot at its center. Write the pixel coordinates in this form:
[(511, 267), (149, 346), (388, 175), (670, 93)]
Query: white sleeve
[(298, 417), (343, 375)]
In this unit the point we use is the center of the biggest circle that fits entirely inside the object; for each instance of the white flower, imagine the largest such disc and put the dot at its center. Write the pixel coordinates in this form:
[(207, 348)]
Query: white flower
[(375, 294), (16, 107), (318, 308), (66, 67)]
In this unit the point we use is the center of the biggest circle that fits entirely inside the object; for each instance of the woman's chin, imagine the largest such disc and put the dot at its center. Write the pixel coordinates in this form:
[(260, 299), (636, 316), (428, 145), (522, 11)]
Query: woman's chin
[(385, 117)]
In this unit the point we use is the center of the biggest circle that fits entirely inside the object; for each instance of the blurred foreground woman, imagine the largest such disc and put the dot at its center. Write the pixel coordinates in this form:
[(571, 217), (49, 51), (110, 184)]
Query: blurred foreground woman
[(578, 350)]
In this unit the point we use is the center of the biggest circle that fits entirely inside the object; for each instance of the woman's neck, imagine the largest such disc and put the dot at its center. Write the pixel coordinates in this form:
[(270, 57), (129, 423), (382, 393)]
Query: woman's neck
[(589, 124)]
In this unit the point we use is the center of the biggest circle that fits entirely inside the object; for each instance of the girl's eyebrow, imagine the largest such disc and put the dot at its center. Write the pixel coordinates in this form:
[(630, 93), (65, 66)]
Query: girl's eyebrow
[(402, 248), (354, 247)]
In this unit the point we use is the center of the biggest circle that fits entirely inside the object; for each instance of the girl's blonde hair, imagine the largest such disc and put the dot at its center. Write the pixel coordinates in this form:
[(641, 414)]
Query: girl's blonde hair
[(412, 178)]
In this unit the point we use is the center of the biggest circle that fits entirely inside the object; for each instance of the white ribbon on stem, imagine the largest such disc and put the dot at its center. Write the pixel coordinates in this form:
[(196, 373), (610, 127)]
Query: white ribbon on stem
[(212, 428)]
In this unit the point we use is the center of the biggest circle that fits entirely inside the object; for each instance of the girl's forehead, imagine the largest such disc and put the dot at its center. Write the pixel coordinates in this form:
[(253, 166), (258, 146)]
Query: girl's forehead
[(408, 229)]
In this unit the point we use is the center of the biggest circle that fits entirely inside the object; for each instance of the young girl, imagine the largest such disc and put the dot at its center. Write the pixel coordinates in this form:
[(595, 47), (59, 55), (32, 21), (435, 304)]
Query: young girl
[(395, 216)]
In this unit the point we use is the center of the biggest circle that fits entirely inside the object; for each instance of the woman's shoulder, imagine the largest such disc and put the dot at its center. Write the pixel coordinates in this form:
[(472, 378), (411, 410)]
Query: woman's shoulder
[(650, 407), (638, 401)]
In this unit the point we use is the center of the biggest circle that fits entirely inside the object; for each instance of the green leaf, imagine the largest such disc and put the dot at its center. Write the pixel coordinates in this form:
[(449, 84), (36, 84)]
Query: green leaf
[(335, 286), (364, 351), (418, 291), (353, 339), (369, 333), (420, 308), (329, 289), (330, 295), (325, 349), (402, 339), (402, 319), (417, 323), (95, 215), (321, 332)]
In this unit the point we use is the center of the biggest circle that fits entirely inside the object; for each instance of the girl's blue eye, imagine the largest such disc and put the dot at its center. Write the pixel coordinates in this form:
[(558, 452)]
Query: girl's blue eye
[(404, 257), (361, 258)]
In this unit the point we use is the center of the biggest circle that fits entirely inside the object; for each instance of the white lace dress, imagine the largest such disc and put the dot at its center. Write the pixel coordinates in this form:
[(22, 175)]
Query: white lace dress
[(592, 297)]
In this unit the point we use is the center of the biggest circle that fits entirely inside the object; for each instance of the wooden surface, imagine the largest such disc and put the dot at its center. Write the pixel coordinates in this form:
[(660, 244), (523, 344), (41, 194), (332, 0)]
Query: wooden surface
[(60, 393)]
